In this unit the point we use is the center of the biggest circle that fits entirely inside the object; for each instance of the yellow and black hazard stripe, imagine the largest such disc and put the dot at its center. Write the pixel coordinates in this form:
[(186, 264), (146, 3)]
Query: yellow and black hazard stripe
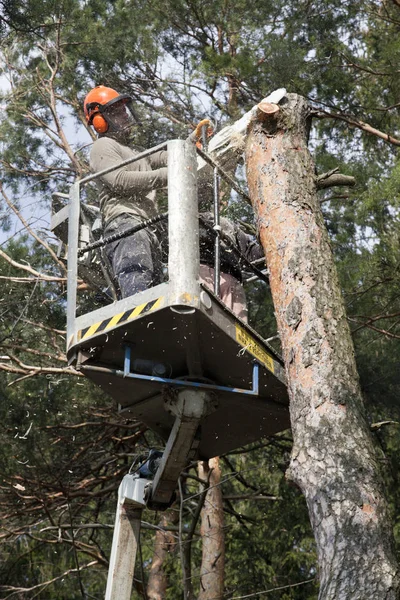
[(120, 318)]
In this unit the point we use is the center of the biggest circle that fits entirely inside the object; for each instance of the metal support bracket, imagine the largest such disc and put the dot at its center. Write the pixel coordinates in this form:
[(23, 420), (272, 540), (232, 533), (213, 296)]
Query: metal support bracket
[(189, 402), (189, 407), (183, 382)]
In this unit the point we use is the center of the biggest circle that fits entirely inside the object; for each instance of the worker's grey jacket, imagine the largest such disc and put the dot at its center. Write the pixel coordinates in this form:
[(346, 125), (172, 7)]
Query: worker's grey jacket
[(129, 189)]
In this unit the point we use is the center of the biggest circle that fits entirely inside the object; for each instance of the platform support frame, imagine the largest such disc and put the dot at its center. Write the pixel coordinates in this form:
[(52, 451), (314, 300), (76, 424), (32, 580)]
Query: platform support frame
[(189, 407)]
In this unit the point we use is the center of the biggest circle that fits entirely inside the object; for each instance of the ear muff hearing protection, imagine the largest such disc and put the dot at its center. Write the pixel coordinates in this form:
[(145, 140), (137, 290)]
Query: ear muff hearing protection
[(99, 123)]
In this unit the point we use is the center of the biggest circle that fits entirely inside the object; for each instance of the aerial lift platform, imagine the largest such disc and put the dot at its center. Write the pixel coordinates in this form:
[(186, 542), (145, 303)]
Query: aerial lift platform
[(173, 356)]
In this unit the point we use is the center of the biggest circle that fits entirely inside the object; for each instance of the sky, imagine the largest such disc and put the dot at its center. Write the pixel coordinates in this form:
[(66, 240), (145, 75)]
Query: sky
[(37, 211)]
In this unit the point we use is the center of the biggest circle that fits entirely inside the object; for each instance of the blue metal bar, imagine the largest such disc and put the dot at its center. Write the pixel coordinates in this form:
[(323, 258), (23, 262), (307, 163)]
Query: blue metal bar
[(256, 378), (192, 384), (127, 361), (180, 382)]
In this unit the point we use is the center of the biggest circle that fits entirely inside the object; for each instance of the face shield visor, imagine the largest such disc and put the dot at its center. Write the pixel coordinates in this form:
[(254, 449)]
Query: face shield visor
[(119, 115)]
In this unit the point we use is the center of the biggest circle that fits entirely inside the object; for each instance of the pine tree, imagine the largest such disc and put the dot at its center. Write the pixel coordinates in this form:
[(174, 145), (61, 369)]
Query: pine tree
[(181, 61)]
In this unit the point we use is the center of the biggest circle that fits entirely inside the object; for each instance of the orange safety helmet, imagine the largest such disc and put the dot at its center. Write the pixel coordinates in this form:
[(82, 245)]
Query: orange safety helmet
[(97, 106)]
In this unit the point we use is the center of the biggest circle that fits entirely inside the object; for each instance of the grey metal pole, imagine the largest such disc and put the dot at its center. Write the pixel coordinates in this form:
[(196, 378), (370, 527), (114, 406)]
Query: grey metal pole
[(183, 221), (126, 537), (217, 229), (122, 563), (72, 276)]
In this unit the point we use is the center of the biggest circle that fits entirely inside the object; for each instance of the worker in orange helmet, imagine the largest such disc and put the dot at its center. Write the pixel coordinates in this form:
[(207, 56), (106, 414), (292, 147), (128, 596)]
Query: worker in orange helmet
[(127, 194), (127, 198)]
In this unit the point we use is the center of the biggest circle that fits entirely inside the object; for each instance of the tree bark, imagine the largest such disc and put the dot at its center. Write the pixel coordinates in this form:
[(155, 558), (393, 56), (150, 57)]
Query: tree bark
[(165, 543), (334, 460), (212, 534)]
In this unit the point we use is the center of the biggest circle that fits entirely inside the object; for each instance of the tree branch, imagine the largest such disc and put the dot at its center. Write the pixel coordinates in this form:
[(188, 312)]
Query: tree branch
[(42, 586), (324, 114), (30, 231), (335, 179)]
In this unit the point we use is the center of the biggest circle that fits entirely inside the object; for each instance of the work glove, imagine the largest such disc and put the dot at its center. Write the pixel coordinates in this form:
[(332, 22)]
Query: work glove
[(197, 136)]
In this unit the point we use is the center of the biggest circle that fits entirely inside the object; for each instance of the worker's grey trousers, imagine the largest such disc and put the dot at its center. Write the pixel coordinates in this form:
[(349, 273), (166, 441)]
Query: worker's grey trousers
[(136, 259)]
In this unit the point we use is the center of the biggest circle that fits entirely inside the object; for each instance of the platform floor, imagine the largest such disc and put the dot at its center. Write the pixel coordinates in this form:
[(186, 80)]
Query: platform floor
[(204, 346)]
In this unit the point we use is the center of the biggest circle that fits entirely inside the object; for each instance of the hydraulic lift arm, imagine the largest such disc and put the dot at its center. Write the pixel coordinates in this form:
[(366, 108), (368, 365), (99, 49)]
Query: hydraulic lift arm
[(135, 492)]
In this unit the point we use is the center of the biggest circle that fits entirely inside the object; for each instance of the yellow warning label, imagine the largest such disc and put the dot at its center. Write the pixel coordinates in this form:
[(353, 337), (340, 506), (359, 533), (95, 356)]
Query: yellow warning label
[(250, 344)]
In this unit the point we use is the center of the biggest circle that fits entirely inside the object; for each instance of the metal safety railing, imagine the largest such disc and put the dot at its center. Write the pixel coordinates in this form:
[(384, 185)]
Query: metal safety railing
[(123, 234), (74, 252), (182, 170)]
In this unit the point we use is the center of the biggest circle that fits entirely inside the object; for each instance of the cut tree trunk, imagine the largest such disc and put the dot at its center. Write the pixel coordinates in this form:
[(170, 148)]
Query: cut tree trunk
[(212, 534), (335, 461)]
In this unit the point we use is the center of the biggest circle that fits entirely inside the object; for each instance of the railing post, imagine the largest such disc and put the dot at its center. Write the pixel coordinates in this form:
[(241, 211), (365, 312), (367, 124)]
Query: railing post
[(183, 221), (72, 276), (217, 229)]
